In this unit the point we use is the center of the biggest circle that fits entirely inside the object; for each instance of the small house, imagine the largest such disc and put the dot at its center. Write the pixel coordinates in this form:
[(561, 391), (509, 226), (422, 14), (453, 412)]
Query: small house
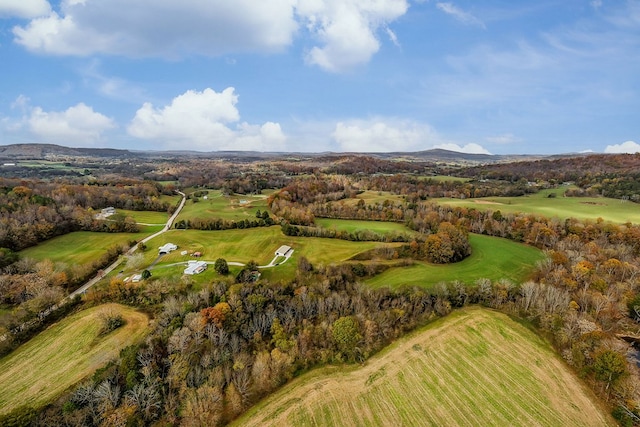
[(195, 267), (108, 211), (165, 249)]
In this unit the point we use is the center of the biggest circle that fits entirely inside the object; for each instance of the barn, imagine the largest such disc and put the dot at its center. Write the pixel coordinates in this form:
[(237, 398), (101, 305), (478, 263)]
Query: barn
[(283, 250)]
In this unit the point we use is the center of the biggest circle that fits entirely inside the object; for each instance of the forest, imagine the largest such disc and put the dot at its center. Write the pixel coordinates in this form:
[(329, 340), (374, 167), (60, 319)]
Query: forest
[(215, 351)]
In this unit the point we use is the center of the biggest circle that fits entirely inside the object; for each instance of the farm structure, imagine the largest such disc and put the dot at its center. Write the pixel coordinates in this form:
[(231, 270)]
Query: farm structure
[(195, 267), (165, 249), (283, 250), (108, 211)]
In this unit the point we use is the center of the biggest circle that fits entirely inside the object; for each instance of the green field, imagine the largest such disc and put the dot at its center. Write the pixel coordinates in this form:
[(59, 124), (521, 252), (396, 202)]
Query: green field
[(258, 244), (371, 197), (475, 367), (146, 217), (561, 207), (352, 226), (80, 247), (492, 258), (38, 371), (235, 207)]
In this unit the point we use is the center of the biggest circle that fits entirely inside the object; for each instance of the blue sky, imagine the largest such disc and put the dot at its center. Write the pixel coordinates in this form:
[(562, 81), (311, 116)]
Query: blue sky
[(496, 76)]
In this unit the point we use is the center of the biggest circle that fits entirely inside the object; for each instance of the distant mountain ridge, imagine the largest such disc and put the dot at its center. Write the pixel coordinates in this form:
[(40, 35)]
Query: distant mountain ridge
[(15, 152)]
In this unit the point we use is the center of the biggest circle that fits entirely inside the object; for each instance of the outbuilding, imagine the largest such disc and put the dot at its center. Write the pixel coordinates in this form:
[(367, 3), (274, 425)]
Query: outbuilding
[(283, 250), (195, 267), (165, 249)]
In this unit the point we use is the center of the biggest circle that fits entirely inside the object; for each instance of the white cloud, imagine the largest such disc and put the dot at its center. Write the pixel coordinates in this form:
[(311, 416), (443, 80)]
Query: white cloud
[(383, 135), (161, 28), (24, 8), (78, 125), (459, 14), (625, 147), (347, 29), (203, 121), (471, 148)]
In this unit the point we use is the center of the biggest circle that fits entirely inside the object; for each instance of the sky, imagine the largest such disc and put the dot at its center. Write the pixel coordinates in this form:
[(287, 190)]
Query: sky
[(491, 76)]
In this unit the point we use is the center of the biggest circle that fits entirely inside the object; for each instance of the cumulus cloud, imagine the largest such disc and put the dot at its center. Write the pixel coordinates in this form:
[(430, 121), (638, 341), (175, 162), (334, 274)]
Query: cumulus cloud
[(78, 125), (24, 8), (459, 14), (347, 29), (471, 148), (383, 135), (625, 147), (205, 120), (161, 28)]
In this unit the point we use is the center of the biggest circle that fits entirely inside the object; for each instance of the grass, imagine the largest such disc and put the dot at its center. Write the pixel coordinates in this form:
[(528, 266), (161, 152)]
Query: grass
[(561, 207), (492, 258), (236, 207), (351, 226), (475, 367), (146, 217), (69, 351), (81, 247), (257, 244)]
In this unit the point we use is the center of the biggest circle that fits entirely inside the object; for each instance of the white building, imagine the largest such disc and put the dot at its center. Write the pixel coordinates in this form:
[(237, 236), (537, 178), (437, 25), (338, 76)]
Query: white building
[(167, 248), (195, 267), (283, 250)]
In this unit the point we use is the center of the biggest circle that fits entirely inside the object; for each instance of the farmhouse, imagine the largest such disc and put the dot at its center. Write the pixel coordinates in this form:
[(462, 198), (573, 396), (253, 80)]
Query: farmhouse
[(108, 211), (284, 250), (162, 250), (195, 267)]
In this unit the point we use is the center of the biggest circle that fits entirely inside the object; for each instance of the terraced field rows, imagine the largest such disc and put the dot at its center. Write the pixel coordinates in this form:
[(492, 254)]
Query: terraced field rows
[(473, 368), (64, 354)]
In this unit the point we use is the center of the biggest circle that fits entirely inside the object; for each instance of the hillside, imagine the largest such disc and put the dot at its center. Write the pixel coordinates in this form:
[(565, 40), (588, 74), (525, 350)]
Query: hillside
[(474, 367)]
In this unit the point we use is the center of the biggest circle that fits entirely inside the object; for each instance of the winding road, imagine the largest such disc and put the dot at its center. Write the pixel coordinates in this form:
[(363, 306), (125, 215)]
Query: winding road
[(81, 290)]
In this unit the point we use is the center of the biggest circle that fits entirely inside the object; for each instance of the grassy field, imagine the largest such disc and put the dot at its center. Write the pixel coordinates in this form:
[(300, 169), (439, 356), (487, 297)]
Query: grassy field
[(351, 226), (80, 247), (475, 367), (371, 197), (561, 207), (64, 354), (146, 217), (257, 244), (236, 207), (492, 258)]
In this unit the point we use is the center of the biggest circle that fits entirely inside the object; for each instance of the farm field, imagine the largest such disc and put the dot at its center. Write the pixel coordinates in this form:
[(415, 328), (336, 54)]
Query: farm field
[(81, 247), (371, 197), (216, 205), (351, 226), (146, 217), (257, 244), (561, 207), (475, 367), (36, 372), (492, 258)]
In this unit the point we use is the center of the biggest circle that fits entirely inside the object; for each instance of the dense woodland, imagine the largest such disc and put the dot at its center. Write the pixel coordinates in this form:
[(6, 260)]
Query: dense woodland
[(213, 353)]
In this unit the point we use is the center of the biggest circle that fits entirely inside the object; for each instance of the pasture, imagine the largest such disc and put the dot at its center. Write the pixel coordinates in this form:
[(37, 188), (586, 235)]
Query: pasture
[(257, 244), (70, 350), (217, 205), (492, 258), (80, 247), (352, 226), (475, 367), (613, 210), (146, 217)]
